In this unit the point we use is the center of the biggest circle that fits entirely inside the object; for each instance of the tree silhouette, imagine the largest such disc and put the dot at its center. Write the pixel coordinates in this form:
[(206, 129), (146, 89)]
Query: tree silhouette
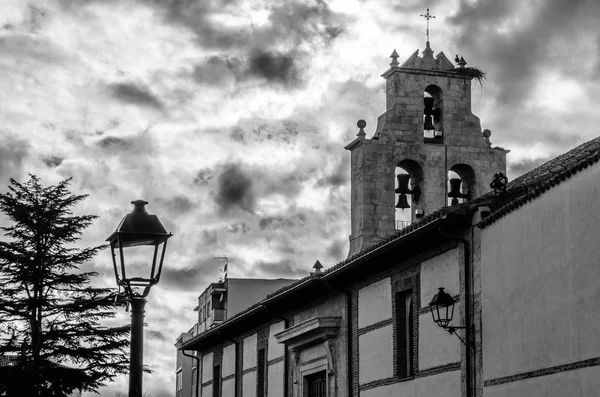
[(50, 314)]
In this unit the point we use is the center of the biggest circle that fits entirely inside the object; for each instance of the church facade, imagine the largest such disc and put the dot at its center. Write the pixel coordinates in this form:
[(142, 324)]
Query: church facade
[(518, 265)]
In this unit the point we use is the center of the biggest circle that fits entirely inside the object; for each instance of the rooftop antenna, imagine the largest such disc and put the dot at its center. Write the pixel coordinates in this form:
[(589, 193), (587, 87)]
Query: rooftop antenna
[(224, 270), (427, 16)]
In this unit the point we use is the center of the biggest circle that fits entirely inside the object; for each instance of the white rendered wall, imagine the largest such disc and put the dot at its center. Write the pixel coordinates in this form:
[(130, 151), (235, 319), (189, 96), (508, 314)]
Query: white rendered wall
[(207, 367), (540, 275), (275, 349), (440, 271), (275, 380), (249, 384), (446, 384), (583, 382), (228, 364), (375, 355), (249, 352), (374, 303), (228, 388)]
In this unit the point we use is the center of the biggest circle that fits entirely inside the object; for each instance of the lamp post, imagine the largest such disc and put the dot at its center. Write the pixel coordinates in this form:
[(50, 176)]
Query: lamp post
[(141, 234)]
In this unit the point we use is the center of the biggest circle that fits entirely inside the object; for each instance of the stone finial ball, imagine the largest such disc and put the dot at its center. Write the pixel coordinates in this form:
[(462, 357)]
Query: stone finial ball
[(361, 124), (487, 133)]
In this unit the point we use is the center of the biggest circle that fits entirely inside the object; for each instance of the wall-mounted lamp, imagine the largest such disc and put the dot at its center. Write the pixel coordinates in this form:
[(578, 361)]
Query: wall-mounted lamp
[(442, 311)]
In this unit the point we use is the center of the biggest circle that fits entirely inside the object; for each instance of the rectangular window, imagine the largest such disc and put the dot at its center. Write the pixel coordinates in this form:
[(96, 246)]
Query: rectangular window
[(179, 381), (260, 373), (217, 381), (316, 385), (405, 334)]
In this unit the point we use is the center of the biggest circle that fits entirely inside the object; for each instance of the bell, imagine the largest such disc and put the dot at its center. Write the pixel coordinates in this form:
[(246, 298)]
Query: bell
[(402, 201), (428, 101), (455, 192), (428, 124), (402, 184), (455, 187)]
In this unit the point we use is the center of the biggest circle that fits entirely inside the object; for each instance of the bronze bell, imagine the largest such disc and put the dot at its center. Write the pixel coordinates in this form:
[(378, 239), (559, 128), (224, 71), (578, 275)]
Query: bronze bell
[(402, 184), (428, 102), (402, 201), (455, 192), (428, 126)]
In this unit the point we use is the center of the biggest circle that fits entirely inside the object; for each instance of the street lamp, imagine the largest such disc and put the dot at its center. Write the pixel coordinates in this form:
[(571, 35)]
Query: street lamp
[(442, 311), (143, 236)]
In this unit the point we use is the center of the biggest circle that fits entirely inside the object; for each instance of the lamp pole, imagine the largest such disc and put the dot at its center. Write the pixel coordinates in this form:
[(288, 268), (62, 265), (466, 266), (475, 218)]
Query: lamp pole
[(137, 229), (136, 352)]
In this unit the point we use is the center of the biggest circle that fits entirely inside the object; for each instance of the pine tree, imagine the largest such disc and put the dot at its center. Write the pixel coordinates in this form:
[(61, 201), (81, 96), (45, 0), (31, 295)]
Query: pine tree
[(50, 314)]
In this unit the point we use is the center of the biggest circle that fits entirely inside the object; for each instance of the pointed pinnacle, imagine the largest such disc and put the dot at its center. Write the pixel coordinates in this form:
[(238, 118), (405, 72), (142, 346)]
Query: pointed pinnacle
[(394, 57), (317, 266)]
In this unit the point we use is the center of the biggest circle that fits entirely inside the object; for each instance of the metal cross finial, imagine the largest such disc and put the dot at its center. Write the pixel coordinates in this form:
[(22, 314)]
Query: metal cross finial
[(427, 16)]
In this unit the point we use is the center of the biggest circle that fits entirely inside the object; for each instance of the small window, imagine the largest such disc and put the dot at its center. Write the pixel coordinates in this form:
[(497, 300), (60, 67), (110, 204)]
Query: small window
[(217, 381), (404, 334), (260, 373), (316, 385)]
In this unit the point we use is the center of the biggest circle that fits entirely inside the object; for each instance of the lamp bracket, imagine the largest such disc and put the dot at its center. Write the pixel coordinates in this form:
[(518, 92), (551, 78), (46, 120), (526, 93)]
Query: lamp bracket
[(452, 330)]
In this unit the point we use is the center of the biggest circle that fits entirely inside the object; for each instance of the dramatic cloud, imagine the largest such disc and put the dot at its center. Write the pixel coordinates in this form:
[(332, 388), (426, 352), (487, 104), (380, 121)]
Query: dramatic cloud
[(521, 39), (234, 189), (52, 161), (231, 116), (291, 23), (274, 67), (13, 153), (135, 94)]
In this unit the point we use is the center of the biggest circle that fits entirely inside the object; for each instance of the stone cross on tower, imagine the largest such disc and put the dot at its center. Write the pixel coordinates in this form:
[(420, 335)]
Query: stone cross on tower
[(427, 16)]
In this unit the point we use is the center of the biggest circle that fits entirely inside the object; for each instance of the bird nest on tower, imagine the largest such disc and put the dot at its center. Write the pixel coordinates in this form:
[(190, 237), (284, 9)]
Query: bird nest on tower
[(472, 73)]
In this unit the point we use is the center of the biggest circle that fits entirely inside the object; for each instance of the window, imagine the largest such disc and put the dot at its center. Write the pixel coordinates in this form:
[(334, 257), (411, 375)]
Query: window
[(316, 385), (260, 373), (179, 380), (216, 381), (404, 334)]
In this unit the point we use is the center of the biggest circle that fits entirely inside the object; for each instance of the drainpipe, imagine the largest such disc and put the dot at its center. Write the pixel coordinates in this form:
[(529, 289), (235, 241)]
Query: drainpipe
[(470, 330), (197, 369)]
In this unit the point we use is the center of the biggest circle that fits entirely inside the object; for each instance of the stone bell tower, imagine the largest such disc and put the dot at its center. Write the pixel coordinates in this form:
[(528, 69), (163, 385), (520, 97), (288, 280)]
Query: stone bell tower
[(428, 150)]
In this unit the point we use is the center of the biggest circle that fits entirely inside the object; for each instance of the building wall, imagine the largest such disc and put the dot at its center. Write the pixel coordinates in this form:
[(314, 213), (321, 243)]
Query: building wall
[(436, 355), (539, 271), (314, 358), (244, 292), (184, 364)]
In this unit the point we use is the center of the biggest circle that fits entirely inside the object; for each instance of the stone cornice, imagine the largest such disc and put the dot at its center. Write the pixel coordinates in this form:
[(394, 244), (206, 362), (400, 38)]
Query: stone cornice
[(316, 329)]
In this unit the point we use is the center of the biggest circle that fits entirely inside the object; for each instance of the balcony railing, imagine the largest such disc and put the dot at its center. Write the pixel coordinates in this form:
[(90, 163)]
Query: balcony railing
[(402, 224), (218, 315)]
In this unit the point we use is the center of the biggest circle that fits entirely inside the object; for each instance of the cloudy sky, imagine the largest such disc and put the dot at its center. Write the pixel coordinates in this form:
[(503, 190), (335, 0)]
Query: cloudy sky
[(230, 118)]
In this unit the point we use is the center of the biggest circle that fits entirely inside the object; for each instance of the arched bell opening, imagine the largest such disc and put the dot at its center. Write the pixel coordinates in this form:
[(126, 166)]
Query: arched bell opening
[(407, 192), (433, 114), (461, 180)]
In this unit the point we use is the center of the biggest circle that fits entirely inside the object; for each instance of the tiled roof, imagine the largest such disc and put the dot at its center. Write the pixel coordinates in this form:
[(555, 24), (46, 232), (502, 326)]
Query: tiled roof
[(535, 182)]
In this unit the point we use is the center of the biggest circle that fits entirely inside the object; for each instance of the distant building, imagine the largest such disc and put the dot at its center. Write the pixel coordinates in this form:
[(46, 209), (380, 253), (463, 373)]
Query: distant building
[(217, 303), (519, 264)]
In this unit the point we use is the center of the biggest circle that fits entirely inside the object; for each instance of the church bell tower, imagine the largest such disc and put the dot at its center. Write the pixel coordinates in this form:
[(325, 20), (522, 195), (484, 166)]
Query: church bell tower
[(428, 150)]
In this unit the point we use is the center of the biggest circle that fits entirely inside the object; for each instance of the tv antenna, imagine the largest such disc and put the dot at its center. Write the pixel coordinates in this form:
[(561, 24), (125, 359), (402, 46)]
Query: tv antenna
[(224, 270)]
